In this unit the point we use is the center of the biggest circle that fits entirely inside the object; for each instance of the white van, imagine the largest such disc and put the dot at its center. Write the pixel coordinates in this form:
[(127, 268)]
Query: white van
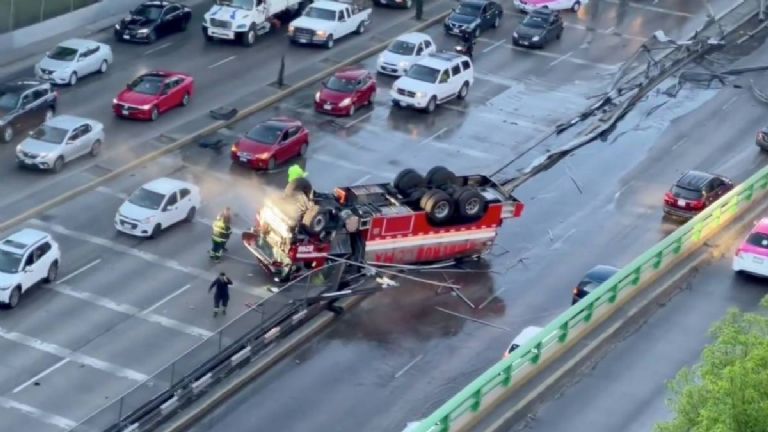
[(526, 335)]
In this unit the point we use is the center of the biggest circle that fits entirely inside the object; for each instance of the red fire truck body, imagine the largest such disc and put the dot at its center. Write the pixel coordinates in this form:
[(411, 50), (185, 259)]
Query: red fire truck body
[(376, 224)]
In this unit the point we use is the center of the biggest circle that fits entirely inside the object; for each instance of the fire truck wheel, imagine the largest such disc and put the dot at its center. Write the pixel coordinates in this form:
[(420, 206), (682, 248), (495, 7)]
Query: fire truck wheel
[(471, 203), (408, 180), (440, 176), (301, 185), (315, 219), (425, 198), (439, 206)]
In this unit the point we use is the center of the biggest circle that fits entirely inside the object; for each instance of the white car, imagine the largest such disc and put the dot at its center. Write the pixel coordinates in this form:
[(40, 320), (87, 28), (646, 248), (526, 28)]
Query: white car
[(403, 52), (26, 258), (59, 140), (156, 206), (521, 339), (433, 80), (74, 59), (529, 5)]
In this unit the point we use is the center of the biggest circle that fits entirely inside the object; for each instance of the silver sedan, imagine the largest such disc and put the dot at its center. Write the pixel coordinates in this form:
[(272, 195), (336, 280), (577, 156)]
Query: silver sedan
[(60, 140), (74, 59)]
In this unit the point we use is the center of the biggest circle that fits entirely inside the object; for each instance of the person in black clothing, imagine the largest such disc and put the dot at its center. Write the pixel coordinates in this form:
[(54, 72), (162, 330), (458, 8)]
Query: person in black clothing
[(221, 295), (468, 40)]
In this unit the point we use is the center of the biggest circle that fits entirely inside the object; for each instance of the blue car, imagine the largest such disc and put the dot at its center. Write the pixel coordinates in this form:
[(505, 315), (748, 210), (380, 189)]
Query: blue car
[(475, 16)]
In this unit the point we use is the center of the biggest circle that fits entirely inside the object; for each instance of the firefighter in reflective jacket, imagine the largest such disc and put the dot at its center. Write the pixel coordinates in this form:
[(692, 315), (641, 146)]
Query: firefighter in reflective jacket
[(221, 233), (295, 172)]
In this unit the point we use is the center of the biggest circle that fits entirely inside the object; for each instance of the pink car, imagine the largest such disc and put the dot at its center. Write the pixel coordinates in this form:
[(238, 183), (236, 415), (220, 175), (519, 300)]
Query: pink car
[(529, 5), (752, 255)]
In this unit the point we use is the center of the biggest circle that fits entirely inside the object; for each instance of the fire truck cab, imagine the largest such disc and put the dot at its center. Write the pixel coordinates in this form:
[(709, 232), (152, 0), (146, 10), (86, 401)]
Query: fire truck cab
[(414, 220)]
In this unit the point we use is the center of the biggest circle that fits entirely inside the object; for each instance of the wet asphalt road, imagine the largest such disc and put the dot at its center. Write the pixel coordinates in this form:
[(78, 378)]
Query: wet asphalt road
[(402, 353), (125, 308)]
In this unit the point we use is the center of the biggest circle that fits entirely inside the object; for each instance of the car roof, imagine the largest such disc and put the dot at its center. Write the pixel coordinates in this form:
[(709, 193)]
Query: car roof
[(474, 2), (526, 334), (22, 240), (600, 273), (67, 121), (330, 5), (543, 12), (351, 73), (283, 122), (694, 180), (157, 3), (414, 37), (78, 43), (21, 86), (166, 185), (439, 59), (761, 226), (163, 74)]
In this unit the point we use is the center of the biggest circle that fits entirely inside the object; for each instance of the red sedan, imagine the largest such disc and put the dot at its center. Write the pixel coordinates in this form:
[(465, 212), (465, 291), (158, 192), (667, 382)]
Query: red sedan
[(153, 93), (346, 91), (271, 143)]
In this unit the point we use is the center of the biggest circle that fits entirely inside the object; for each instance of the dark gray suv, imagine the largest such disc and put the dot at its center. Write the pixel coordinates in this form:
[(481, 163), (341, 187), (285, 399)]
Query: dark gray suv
[(25, 105)]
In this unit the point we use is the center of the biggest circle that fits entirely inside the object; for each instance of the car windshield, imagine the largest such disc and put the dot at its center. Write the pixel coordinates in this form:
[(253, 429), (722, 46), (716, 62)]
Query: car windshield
[(758, 239), (8, 100), (50, 134), (265, 133), (402, 48), (534, 22), (469, 9), (686, 194), (149, 85), (148, 12), (62, 53), (237, 4), (323, 14), (147, 199), (423, 73), (341, 85), (9, 262)]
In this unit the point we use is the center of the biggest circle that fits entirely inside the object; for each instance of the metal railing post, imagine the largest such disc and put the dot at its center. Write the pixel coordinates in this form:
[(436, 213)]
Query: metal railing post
[(173, 371), (10, 18), (120, 409), (221, 336)]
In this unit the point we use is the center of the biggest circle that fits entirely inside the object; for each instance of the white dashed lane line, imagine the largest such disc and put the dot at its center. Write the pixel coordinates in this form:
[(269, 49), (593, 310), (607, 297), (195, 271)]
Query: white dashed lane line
[(52, 419), (219, 63)]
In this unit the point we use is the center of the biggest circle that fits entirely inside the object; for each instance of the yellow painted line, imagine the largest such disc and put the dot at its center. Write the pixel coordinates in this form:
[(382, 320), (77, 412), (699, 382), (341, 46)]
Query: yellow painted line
[(74, 193)]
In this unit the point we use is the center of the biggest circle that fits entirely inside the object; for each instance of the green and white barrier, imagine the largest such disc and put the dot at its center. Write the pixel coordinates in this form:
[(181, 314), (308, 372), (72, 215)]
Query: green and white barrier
[(471, 403)]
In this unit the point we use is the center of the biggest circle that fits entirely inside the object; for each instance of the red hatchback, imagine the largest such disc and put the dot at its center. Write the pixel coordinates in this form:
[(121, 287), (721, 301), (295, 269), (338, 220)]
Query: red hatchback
[(153, 93), (694, 192), (346, 91), (270, 143)]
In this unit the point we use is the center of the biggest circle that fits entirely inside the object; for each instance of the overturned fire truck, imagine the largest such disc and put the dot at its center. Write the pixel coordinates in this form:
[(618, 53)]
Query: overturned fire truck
[(415, 220)]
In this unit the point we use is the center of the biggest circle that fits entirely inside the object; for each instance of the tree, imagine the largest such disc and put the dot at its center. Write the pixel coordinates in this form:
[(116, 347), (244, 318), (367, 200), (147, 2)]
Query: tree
[(728, 390)]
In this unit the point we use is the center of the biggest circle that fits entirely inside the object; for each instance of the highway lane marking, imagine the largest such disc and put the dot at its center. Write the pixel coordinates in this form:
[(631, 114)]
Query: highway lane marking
[(433, 136), (168, 297), (163, 46), (40, 375), (51, 419), (609, 31), (469, 318), (260, 292), (361, 180), (556, 56), (73, 356), (653, 8), (729, 103), (505, 117), (219, 63), (344, 164), (563, 57), (494, 45), (357, 120), (408, 366), (562, 239), (682, 140), (467, 151), (133, 311), (78, 271)]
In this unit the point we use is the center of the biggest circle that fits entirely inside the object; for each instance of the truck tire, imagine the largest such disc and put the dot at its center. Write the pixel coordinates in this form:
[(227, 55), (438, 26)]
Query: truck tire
[(315, 219), (329, 42), (249, 37), (361, 27), (440, 176), (408, 180), (470, 203), (439, 206), (300, 185)]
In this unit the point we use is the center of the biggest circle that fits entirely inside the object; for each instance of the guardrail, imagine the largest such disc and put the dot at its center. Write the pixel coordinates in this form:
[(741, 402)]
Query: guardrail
[(466, 407)]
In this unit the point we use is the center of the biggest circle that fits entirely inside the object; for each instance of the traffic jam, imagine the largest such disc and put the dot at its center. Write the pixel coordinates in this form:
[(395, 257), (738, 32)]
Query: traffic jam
[(420, 200)]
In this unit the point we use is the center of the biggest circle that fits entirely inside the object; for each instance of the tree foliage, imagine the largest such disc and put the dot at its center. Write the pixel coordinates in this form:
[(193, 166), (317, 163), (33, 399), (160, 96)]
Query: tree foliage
[(728, 390)]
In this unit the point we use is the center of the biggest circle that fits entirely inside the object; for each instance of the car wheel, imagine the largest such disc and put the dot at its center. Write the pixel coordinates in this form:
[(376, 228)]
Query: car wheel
[(155, 231), (559, 34), (351, 110), (303, 149), (155, 113), (463, 91), (184, 24), (271, 164), (104, 66), (431, 105), (48, 114), (95, 148), (496, 22), (58, 165), (190, 215), (53, 272), (477, 32), (361, 27), (576, 6), (8, 133), (329, 42), (371, 98), (152, 36), (73, 79), (13, 300), (185, 100)]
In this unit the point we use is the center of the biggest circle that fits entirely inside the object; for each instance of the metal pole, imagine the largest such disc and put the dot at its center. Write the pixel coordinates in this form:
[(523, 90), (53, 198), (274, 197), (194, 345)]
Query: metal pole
[(120, 410), (762, 10), (10, 18), (42, 10), (173, 372)]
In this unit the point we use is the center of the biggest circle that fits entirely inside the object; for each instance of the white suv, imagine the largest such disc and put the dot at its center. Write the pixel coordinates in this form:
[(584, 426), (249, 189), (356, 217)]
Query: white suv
[(26, 258), (433, 80)]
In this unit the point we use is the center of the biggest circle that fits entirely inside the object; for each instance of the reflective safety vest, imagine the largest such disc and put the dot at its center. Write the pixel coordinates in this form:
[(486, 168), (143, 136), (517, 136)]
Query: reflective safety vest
[(221, 231), (295, 172)]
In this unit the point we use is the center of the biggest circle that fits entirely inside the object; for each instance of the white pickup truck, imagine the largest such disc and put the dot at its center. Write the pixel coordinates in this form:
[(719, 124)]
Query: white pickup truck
[(326, 21), (243, 20)]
